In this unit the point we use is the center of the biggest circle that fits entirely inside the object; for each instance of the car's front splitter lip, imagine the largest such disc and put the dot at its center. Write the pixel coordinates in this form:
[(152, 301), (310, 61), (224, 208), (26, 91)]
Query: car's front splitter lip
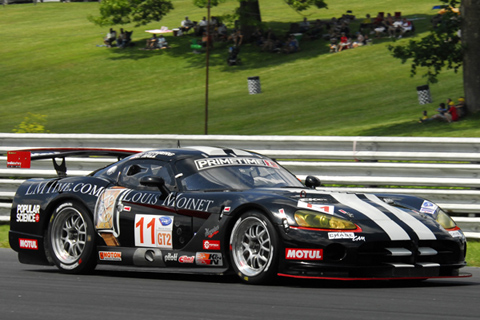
[(461, 275)]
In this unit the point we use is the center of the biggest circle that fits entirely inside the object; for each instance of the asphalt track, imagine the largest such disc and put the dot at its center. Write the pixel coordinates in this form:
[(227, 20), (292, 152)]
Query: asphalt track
[(37, 292)]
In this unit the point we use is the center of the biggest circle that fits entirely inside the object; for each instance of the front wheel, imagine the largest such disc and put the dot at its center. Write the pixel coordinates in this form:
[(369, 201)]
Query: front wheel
[(71, 239), (254, 248)]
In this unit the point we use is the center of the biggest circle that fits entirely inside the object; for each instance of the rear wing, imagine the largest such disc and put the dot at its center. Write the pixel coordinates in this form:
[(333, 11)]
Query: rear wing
[(23, 158)]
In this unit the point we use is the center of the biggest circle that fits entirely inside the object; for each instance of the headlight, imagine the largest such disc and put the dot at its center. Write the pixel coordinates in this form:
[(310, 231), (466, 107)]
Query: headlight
[(321, 220), (445, 220)]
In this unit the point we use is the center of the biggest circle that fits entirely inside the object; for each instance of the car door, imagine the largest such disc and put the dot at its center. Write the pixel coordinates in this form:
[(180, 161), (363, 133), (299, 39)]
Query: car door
[(140, 215)]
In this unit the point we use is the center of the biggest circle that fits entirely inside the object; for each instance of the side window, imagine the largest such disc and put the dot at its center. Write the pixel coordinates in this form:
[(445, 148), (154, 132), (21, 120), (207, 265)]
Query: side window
[(134, 171)]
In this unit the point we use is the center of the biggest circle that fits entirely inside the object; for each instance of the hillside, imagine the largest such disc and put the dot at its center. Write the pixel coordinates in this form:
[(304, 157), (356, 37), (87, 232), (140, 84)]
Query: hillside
[(52, 63)]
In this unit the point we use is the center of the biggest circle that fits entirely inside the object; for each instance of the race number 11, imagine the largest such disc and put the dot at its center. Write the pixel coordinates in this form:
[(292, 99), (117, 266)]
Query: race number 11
[(153, 231)]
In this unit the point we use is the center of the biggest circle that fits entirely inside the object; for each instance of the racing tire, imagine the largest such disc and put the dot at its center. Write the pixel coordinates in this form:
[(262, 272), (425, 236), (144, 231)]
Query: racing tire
[(254, 248), (70, 239)]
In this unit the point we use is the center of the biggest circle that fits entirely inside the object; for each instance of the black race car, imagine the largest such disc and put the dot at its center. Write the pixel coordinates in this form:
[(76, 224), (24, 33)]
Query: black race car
[(218, 210)]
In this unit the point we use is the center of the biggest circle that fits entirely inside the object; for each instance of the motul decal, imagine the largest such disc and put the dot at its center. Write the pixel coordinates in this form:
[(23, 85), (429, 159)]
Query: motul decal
[(303, 254)]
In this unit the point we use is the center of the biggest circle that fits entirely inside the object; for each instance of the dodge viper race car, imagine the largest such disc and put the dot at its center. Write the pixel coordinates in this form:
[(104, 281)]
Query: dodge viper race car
[(213, 211)]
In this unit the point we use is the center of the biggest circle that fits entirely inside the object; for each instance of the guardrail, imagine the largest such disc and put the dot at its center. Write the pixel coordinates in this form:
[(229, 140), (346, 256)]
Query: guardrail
[(444, 170)]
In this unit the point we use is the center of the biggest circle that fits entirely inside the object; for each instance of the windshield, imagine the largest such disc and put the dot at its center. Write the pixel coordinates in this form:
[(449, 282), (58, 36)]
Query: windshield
[(239, 177)]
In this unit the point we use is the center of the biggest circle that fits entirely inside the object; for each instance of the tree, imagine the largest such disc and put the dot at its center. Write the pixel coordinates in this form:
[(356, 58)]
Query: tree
[(248, 13), (140, 12), (452, 43)]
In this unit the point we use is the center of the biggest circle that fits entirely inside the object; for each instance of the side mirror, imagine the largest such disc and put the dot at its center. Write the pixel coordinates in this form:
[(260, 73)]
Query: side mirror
[(312, 182), (156, 182)]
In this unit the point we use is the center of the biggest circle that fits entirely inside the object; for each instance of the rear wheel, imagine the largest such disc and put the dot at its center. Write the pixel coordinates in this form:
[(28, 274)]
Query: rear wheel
[(254, 248), (71, 239)]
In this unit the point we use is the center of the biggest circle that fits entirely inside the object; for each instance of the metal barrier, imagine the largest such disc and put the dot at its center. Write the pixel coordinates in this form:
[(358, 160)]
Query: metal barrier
[(444, 170)]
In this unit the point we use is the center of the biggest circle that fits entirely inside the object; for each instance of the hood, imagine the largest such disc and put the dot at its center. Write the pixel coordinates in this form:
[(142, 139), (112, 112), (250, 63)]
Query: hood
[(399, 216)]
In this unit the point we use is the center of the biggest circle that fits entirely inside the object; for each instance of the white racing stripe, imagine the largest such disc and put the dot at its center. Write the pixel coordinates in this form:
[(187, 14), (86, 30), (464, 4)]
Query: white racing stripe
[(422, 231), (393, 230)]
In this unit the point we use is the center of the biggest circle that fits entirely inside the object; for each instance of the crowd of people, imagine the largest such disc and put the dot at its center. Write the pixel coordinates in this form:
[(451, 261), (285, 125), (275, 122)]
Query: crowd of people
[(336, 30), (120, 40), (448, 111)]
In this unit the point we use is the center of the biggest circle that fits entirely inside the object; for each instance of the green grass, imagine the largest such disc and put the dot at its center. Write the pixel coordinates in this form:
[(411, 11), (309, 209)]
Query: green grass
[(4, 235), (51, 65)]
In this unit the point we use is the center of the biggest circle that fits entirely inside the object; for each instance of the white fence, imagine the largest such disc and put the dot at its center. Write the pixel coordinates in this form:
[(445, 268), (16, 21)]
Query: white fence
[(444, 170)]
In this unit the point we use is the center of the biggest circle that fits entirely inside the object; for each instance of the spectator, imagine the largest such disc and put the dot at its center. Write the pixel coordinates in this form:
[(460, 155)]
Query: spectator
[(345, 29), (222, 33), (461, 107), (201, 27), (236, 37), (366, 23), (452, 114), (333, 45), (111, 36), (152, 42), (121, 39), (317, 29), (304, 25), (269, 41), (162, 42), (441, 115), (292, 45), (360, 41), (186, 25), (405, 27), (344, 42), (424, 117)]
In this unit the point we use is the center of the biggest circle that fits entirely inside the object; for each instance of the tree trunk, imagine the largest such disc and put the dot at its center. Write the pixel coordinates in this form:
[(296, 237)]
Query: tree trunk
[(470, 35), (250, 17)]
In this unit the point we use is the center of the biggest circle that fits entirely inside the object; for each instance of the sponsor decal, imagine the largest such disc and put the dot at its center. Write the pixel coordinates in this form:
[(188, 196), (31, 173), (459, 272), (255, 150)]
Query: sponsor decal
[(428, 207), (211, 244), (209, 259), (226, 210), (181, 202), (110, 256), (316, 207), (54, 186), (28, 213), (165, 221), (107, 211), (127, 208), (303, 254), (152, 154), (210, 233), (18, 159), (230, 161), (153, 231), (186, 259), (345, 235), (144, 197), (30, 244), (346, 213), (314, 200), (171, 257), (340, 235)]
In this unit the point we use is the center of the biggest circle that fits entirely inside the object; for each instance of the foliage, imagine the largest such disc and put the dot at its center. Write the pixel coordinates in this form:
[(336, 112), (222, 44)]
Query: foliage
[(139, 12), (32, 123), (440, 49), (302, 5)]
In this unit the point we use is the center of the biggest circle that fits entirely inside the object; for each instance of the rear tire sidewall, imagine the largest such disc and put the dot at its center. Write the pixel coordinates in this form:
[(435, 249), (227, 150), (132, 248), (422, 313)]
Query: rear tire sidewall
[(71, 239), (241, 263)]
